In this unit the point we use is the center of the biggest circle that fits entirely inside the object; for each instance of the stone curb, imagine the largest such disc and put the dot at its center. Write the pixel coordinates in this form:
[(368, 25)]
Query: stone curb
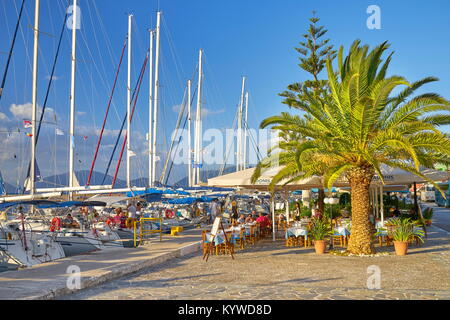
[(89, 282)]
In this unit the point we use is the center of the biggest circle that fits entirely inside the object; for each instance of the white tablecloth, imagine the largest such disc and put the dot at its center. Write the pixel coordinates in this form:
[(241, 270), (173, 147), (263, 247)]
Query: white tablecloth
[(296, 232)]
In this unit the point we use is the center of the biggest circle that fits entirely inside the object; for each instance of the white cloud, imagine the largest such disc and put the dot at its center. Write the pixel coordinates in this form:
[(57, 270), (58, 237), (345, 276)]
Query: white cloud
[(81, 113), (3, 116), (23, 111)]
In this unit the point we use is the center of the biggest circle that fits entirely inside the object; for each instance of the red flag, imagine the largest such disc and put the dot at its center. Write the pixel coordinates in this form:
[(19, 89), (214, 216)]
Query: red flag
[(27, 124)]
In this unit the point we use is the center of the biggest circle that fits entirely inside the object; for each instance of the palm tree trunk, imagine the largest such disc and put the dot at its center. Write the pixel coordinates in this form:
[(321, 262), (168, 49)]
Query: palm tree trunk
[(361, 233), (321, 201)]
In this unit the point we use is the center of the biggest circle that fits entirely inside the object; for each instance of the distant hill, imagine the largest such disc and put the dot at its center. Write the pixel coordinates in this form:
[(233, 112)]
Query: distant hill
[(62, 180)]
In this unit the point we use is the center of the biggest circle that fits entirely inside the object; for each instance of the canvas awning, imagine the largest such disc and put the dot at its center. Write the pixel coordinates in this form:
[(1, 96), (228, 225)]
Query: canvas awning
[(242, 179), (391, 176)]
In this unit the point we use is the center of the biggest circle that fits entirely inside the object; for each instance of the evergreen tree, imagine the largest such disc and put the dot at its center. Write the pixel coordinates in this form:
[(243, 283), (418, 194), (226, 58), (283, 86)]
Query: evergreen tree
[(314, 52)]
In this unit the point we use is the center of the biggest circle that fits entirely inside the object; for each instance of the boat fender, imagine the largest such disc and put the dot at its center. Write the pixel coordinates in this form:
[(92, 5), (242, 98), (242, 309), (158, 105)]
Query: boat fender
[(170, 214), (55, 224)]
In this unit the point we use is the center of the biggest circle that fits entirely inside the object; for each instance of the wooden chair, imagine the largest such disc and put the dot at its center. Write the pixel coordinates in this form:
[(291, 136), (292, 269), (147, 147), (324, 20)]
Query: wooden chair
[(228, 246), (304, 241), (258, 232), (338, 240), (251, 239), (240, 240), (383, 239), (206, 244), (291, 241)]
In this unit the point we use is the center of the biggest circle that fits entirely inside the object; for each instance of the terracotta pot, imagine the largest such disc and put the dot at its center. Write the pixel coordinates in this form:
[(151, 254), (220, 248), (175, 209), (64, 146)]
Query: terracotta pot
[(401, 248), (320, 246), (428, 222)]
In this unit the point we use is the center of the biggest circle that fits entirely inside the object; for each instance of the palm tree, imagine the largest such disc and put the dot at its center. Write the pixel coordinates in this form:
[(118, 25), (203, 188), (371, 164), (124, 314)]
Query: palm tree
[(360, 126)]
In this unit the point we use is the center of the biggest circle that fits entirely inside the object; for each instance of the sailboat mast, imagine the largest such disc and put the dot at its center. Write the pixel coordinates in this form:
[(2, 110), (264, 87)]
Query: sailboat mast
[(239, 164), (34, 98), (150, 109), (245, 131), (72, 99), (156, 100), (130, 20), (189, 85), (198, 129)]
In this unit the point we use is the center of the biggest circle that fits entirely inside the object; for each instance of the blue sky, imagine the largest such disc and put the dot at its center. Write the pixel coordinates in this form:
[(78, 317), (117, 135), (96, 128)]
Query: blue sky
[(255, 38)]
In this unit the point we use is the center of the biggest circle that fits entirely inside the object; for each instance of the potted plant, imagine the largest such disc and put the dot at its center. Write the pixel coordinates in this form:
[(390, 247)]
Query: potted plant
[(402, 231), (427, 216), (318, 230)]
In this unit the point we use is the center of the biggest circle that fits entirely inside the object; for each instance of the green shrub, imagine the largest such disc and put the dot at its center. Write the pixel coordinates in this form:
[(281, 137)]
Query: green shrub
[(428, 213), (404, 230), (319, 228)]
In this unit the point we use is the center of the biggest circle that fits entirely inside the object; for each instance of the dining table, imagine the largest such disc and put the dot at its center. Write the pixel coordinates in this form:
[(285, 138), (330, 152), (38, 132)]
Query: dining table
[(220, 237), (297, 232)]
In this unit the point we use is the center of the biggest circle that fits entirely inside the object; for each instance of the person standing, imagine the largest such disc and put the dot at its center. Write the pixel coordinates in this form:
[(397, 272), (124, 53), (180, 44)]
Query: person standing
[(131, 215), (213, 210), (234, 210), (138, 211)]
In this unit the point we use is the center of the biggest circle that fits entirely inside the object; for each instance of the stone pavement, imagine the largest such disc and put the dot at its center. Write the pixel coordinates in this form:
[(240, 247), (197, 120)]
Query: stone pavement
[(271, 271), (49, 280)]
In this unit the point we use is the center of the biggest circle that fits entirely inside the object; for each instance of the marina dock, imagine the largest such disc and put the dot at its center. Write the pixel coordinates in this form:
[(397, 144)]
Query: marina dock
[(49, 280)]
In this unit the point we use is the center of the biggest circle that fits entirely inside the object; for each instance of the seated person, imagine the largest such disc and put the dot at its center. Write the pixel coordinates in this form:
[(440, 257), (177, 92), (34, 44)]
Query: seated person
[(241, 219), (69, 222), (249, 219), (263, 220), (123, 220), (117, 218), (317, 214)]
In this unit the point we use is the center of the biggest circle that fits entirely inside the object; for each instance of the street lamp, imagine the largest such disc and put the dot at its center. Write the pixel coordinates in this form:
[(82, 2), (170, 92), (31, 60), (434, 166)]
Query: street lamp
[(331, 201)]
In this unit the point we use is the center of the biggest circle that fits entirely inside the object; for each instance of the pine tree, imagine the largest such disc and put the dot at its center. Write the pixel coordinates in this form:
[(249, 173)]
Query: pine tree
[(314, 52)]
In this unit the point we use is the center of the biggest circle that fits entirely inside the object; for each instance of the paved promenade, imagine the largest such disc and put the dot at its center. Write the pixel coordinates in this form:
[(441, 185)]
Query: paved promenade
[(272, 271), (49, 281)]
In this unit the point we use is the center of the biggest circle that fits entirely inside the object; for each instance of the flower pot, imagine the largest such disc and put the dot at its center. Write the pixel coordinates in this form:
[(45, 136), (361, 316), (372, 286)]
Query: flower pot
[(320, 246), (401, 248), (428, 223)]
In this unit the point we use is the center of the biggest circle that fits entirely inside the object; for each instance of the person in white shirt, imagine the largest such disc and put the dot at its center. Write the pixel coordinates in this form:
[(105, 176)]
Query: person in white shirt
[(131, 211), (138, 210)]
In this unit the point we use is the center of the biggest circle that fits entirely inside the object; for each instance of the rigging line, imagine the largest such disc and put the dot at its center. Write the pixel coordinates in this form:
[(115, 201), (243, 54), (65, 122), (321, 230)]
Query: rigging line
[(108, 42), (2, 86), (173, 51), (107, 112), (227, 154), (48, 88), (171, 147), (119, 136), (176, 150), (141, 78), (259, 154), (177, 126), (253, 140)]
